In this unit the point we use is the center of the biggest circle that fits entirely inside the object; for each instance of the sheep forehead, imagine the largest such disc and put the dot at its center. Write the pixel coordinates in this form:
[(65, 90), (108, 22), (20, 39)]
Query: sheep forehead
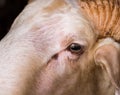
[(67, 24)]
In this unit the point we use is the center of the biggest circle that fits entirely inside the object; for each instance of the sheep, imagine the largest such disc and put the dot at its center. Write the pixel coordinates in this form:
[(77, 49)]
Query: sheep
[(55, 48)]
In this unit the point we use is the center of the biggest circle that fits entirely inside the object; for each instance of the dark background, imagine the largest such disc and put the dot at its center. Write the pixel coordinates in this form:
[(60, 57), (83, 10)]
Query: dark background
[(9, 9)]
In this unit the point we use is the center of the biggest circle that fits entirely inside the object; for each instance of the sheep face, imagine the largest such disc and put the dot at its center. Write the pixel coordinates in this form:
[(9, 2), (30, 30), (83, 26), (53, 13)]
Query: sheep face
[(53, 49)]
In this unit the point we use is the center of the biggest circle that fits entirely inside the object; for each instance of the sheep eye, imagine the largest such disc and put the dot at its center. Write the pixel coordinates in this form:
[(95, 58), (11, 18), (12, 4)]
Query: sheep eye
[(76, 48)]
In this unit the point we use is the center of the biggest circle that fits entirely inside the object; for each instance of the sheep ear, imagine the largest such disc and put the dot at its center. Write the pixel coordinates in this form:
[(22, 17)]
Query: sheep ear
[(108, 57)]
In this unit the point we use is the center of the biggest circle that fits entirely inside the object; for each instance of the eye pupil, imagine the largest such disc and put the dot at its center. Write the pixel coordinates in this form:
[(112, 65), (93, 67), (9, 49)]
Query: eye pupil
[(76, 48)]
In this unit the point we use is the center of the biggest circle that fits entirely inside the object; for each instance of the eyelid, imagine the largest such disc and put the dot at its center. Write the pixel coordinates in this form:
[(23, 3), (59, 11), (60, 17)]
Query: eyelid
[(82, 43)]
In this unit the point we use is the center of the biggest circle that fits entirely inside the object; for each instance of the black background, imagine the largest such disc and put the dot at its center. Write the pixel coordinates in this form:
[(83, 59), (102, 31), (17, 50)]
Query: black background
[(9, 9)]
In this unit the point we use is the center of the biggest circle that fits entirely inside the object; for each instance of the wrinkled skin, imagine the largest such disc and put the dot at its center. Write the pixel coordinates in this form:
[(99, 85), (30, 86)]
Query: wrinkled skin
[(38, 57)]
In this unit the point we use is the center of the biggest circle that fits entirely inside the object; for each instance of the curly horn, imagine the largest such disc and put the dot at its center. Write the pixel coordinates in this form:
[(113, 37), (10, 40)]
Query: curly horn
[(105, 15)]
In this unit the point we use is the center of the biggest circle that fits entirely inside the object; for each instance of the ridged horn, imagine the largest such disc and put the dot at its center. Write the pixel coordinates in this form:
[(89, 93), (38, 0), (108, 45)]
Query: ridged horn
[(105, 15)]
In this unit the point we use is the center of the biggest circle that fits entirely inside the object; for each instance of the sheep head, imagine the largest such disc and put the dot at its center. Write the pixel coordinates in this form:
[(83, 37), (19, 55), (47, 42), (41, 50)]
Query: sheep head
[(53, 48)]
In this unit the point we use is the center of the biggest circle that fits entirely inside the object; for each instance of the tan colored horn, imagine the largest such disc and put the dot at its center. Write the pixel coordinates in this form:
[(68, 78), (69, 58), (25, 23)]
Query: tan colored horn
[(105, 15)]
